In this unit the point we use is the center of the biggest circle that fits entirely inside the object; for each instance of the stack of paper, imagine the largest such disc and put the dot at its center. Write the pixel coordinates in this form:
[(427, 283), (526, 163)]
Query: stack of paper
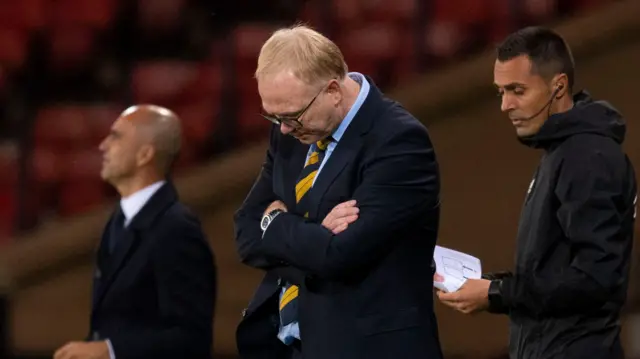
[(455, 267)]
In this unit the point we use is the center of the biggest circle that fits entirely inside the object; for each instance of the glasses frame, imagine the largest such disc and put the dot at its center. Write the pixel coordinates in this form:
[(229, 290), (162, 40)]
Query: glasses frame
[(292, 120)]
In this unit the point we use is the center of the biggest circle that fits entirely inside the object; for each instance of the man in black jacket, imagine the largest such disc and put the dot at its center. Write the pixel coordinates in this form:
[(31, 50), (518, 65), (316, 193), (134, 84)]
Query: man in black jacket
[(576, 228), (154, 285)]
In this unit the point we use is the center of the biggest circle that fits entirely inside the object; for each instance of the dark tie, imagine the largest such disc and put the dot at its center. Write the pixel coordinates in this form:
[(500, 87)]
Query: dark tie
[(117, 229), (289, 300)]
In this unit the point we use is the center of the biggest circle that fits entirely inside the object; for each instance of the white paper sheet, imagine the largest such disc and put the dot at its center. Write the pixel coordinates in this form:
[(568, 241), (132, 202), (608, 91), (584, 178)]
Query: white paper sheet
[(455, 267)]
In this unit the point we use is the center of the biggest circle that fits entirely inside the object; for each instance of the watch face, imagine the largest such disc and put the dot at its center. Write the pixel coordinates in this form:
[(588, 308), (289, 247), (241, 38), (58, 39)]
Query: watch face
[(264, 223)]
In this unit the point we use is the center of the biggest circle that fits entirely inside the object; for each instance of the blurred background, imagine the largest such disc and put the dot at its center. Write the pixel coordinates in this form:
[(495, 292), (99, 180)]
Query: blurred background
[(69, 67)]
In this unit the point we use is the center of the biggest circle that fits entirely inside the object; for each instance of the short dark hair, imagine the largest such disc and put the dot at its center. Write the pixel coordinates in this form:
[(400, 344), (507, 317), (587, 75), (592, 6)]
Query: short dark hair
[(547, 50)]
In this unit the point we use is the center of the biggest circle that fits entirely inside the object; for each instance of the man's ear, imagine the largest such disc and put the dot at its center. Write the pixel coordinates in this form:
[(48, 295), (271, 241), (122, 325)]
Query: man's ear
[(146, 154)]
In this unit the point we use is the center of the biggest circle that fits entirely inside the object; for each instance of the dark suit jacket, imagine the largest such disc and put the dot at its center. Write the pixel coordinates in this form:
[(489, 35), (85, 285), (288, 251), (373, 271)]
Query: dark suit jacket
[(154, 297), (366, 292)]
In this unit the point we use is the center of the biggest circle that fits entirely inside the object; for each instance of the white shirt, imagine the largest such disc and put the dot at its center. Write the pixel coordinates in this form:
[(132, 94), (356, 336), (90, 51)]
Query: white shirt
[(133, 204), (130, 207)]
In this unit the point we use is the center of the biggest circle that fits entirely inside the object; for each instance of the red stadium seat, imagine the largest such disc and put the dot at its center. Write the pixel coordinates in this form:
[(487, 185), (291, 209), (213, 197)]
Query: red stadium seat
[(47, 166), (444, 39), (539, 10), (199, 120), (93, 13), (63, 126), (399, 11), (160, 14), (348, 13), (27, 14), (248, 40), (70, 46), (375, 41), (161, 82), (207, 85), (463, 12), (101, 118), (13, 47)]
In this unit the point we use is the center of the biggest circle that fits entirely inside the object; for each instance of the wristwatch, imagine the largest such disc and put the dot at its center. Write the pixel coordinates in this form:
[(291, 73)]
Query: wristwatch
[(267, 218)]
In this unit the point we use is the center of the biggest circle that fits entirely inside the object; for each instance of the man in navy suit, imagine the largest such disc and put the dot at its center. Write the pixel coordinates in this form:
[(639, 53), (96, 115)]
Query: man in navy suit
[(155, 279), (343, 217)]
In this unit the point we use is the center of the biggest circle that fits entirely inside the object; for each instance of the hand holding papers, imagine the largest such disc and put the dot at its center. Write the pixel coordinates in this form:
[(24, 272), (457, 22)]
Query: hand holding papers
[(455, 267)]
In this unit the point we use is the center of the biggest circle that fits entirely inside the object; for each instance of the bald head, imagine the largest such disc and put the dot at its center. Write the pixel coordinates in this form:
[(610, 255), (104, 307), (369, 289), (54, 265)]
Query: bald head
[(161, 128)]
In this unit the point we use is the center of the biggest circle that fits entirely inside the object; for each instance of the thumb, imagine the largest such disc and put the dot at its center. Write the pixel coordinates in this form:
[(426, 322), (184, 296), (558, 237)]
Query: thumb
[(438, 278)]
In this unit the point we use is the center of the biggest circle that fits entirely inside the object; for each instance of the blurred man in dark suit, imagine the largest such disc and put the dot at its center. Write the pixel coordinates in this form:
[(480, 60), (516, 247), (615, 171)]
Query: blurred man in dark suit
[(343, 218), (155, 280), (576, 228)]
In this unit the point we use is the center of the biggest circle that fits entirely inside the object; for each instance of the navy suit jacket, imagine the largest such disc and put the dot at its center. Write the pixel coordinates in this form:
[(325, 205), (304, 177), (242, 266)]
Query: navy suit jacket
[(368, 291), (154, 297)]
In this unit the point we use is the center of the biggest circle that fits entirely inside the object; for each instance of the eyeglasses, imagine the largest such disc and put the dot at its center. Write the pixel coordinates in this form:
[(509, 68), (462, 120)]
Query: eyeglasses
[(291, 120)]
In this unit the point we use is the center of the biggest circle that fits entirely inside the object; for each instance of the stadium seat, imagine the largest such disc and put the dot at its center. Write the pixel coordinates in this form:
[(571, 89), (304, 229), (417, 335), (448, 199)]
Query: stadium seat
[(97, 14), (47, 166), (101, 117), (397, 11), (199, 119), (62, 126), (248, 40), (161, 82), (70, 46), (443, 39), (13, 47), (26, 14), (160, 14), (461, 12)]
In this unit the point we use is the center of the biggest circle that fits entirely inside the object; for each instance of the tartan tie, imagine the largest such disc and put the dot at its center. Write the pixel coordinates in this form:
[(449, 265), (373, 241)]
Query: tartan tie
[(289, 300)]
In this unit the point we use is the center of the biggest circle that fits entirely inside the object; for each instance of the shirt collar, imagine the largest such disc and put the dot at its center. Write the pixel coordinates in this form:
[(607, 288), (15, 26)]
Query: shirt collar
[(362, 95), (132, 204)]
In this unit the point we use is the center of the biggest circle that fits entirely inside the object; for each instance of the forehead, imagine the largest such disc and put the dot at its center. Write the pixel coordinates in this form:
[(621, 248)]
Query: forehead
[(516, 70), (283, 92), (124, 124)]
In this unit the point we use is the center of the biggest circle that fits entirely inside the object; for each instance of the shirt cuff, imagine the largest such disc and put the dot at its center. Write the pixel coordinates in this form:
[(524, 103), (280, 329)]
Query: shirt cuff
[(112, 355)]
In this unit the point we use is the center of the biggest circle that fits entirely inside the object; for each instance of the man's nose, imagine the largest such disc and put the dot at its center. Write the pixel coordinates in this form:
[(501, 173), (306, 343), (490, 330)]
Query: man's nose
[(285, 129), (507, 103)]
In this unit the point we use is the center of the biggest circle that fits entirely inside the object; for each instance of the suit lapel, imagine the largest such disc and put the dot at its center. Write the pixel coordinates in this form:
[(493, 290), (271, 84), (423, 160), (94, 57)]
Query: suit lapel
[(113, 265), (347, 147), (340, 158)]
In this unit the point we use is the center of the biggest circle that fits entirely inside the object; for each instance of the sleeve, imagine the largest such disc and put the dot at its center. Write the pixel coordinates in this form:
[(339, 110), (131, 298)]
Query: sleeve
[(247, 222), (247, 218), (185, 277), (593, 220), (399, 185)]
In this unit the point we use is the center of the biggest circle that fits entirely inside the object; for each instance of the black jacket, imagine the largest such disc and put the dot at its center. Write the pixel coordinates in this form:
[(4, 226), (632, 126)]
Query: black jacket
[(574, 239), (154, 296)]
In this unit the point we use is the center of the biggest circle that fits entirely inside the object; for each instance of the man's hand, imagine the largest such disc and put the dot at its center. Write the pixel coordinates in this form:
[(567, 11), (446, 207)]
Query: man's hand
[(275, 205), (471, 298), (341, 216), (83, 350)]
